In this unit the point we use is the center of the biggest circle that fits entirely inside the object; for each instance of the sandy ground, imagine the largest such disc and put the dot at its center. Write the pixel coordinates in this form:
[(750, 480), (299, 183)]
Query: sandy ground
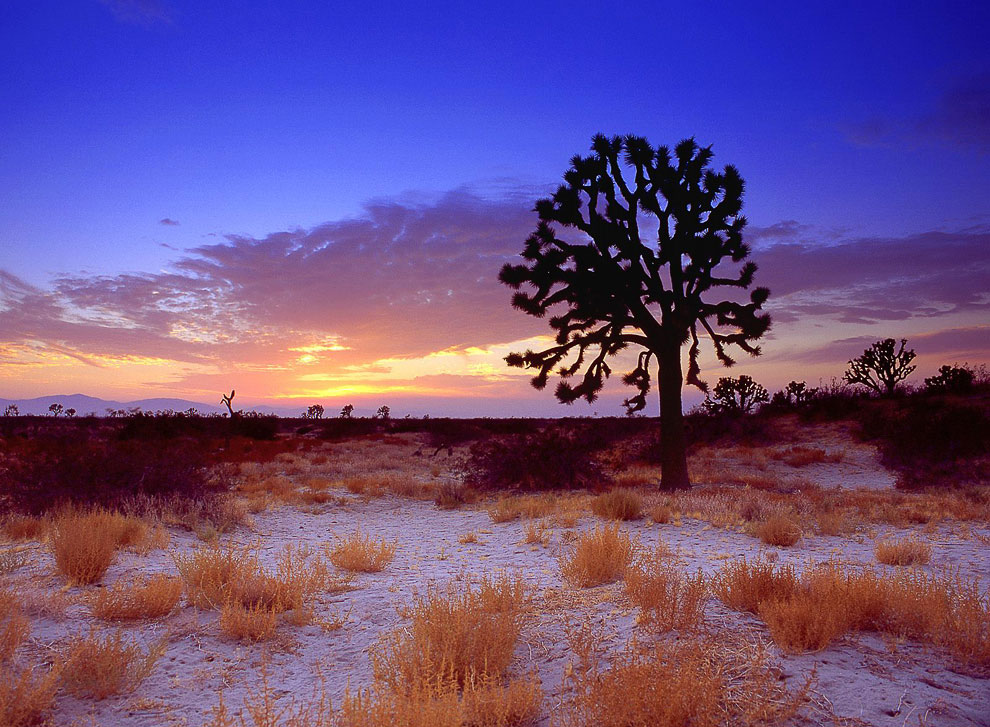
[(864, 678)]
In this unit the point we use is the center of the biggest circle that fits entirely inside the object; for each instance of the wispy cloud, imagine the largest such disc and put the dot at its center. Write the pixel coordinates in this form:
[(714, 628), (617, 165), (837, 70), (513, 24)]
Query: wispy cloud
[(168, 222)]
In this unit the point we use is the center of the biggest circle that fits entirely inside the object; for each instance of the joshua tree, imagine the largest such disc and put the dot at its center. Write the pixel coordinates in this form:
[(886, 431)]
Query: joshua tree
[(383, 413), (55, 409), (11, 411), (315, 411), (736, 395), (346, 411), (648, 230), (224, 399), (880, 367), (70, 412)]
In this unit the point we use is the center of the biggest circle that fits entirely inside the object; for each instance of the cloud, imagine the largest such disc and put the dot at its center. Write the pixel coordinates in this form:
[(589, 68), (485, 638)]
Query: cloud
[(139, 12), (960, 117), (168, 222)]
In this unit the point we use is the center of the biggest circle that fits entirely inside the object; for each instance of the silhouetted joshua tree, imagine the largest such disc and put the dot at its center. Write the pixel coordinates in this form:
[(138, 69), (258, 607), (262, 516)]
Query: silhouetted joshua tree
[(315, 411), (739, 396), (880, 367), (55, 409), (11, 411), (383, 413), (224, 399), (649, 229), (346, 411)]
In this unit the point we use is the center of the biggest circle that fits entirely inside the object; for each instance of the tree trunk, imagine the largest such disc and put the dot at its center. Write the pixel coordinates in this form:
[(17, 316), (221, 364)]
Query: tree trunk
[(673, 446)]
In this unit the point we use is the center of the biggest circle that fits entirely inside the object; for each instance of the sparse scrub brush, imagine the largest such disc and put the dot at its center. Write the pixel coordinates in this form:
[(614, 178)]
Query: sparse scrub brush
[(363, 553), (26, 697), (906, 551), (151, 597), (600, 556), (620, 504), (667, 597), (99, 667), (84, 546), (777, 529)]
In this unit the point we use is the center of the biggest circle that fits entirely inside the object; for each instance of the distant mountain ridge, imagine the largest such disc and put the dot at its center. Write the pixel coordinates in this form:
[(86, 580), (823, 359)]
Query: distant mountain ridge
[(84, 405)]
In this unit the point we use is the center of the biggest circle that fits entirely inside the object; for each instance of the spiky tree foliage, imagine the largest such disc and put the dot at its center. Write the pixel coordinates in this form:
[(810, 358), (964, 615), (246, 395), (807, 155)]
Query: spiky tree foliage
[(882, 366), (739, 396), (346, 411), (648, 230)]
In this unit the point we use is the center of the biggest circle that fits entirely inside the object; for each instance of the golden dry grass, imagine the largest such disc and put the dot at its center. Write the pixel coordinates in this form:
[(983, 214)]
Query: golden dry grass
[(619, 504), (99, 667), (522, 506), (455, 634), (14, 627), (903, 551), (84, 546), (744, 585), (24, 527), (692, 681), (777, 529), (257, 622), (363, 553), (26, 697), (468, 538), (153, 596), (667, 597), (599, 556), (537, 532)]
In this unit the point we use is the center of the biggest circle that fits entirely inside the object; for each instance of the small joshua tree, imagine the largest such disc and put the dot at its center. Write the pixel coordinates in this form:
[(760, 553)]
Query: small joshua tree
[(227, 400), (55, 409), (346, 411), (880, 368), (383, 413), (70, 412), (11, 411), (739, 396), (315, 412)]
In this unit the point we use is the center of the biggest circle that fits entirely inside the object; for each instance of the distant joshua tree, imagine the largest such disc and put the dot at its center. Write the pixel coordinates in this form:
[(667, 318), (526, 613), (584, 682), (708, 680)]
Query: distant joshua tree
[(55, 409), (315, 412), (650, 229), (224, 399), (346, 411), (11, 411), (739, 396), (880, 368), (383, 413), (70, 412)]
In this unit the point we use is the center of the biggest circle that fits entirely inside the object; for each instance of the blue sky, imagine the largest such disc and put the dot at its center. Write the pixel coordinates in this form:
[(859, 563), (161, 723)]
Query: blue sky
[(856, 121)]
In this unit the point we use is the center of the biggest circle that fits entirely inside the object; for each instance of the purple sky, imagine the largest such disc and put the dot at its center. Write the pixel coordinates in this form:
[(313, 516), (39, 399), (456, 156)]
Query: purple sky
[(312, 200)]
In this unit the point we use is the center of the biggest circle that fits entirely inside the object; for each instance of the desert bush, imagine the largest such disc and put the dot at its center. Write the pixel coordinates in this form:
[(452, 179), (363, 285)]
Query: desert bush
[(667, 597), (600, 556), (54, 468), (363, 553), (906, 551), (552, 458), (506, 509), (14, 627), (99, 667), (537, 532), (777, 529), (256, 622), (84, 545), (456, 635), (451, 495), (661, 514), (24, 527), (703, 683), (26, 697), (150, 597), (620, 504), (744, 585), (950, 380)]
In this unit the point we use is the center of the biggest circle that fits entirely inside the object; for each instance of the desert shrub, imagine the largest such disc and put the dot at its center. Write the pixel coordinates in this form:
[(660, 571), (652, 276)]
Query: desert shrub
[(906, 551), (620, 504), (802, 622), (26, 697), (703, 683), (24, 527), (151, 597), (451, 495), (84, 546), (551, 458), (456, 634), (744, 585), (537, 532), (53, 468), (667, 597), (599, 556), (99, 667), (254, 425), (256, 622), (777, 529), (950, 380), (363, 553), (14, 627), (506, 509), (661, 514)]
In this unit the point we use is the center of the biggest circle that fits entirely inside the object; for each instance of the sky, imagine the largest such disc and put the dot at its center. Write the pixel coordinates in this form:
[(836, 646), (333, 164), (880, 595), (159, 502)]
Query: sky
[(311, 201)]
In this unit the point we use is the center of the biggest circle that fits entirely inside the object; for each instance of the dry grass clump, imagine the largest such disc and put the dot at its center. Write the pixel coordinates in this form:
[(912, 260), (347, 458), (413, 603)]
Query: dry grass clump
[(637, 475), (619, 504), (537, 532), (468, 538), (24, 527), (906, 551), (233, 581), (455, 634), (801, 455), (522, 506), (661, 514), (151, 597), (810, 612), (26, 697), (363, 553), (84, 546), (667, 597), (777, 529), (743, 586), (99, 667), (600, 556), (691, 681), (14, 627)]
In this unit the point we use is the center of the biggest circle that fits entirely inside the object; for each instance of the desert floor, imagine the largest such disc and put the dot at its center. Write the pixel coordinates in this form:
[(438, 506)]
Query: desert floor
[(861, 679)]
